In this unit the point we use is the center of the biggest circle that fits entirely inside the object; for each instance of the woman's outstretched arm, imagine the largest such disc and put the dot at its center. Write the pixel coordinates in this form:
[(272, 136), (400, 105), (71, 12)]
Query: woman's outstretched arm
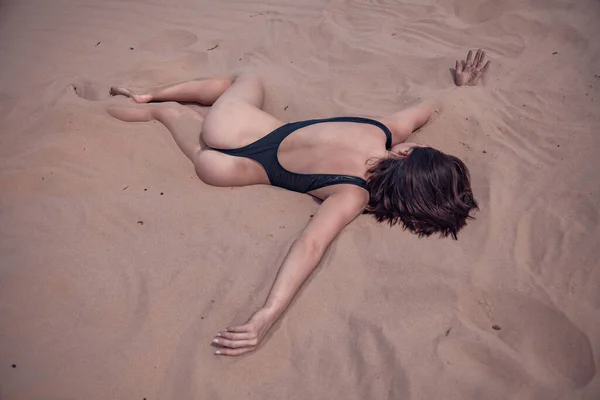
[(405, 122), (303, 257)]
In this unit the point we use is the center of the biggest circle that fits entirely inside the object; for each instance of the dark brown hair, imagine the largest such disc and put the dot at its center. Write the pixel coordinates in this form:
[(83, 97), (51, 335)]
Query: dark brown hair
[(427, 191)]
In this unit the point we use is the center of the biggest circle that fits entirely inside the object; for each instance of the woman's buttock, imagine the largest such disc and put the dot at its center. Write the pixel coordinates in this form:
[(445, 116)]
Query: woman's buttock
[(218, 169), (233, 124)]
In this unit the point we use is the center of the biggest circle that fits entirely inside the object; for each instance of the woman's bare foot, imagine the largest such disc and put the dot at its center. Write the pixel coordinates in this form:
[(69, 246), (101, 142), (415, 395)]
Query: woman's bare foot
[(138, 98)]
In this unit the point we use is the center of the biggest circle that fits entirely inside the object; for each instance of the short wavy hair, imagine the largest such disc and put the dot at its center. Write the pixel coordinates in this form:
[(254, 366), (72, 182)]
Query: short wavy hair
[(427, 192)]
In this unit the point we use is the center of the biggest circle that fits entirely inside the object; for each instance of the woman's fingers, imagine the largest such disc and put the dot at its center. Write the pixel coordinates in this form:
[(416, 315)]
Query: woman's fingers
[(477, 58), (458, 67), (233, 352), (235, 344), (236, 340), (239, 328), (485, 67), (480, 59), (235, 336), (469, 58)]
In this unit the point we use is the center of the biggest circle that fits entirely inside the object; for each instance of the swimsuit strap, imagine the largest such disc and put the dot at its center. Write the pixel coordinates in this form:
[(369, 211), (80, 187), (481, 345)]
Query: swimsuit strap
[(360, 120)]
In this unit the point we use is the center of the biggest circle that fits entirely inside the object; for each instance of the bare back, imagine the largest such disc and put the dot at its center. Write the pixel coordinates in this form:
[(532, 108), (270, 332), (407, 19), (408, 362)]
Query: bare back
[(332, 148)]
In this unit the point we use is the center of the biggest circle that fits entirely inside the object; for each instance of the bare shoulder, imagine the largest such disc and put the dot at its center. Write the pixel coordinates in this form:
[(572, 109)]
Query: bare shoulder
[(351, 196), (344, 204), (354, 197), (336, 211)]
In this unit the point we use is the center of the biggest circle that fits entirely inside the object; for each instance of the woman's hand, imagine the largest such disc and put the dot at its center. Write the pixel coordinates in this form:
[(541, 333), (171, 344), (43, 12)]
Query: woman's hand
[(472, 70), (237, 340)]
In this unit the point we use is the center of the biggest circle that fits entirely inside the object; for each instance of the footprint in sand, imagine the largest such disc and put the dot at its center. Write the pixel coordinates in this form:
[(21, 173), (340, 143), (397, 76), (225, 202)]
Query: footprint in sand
[(548, 344), (86, 90), (169, 39)]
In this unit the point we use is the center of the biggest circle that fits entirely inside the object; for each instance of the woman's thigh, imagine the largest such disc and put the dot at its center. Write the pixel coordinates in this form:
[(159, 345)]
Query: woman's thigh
[(236, 119)]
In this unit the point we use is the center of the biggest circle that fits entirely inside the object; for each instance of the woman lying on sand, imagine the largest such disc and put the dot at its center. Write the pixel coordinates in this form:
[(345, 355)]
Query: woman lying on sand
[(353, 164)]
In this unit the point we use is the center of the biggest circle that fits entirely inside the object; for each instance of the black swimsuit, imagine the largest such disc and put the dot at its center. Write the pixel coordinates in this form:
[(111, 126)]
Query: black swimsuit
[(264, 151)]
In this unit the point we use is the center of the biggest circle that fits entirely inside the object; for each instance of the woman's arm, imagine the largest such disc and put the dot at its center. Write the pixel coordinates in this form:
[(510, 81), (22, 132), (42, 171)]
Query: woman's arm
[(303, 257), (405, 122)]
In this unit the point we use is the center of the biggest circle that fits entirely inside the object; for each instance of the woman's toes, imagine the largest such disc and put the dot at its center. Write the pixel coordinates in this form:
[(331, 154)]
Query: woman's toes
[(117, 90), (138, 98)]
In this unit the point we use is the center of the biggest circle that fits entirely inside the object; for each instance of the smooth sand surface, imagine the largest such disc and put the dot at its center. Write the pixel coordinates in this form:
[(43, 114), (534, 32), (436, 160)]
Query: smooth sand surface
[(118, 265)]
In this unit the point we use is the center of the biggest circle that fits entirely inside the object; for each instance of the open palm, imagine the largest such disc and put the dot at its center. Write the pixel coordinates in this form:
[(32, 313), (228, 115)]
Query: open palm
[(472, 70)]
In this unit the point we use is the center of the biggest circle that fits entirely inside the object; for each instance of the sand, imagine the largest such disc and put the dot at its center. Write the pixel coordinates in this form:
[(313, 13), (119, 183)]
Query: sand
[(118, 265)]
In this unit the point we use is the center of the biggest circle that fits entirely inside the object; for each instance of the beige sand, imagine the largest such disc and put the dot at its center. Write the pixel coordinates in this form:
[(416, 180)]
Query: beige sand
[(118, 265)]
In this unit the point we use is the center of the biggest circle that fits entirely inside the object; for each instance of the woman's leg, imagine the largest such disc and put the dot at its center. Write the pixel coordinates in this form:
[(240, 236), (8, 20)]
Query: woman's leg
[(203, 91), (184, 124), (236, 119)]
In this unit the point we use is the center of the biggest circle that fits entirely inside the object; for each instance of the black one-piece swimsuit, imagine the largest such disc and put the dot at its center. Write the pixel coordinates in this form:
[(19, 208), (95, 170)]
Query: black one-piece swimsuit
[(264, 151)]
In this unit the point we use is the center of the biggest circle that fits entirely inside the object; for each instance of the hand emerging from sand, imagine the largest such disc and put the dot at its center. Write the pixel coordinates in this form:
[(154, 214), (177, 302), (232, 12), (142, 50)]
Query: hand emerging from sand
[(473, 69), (242, 339)]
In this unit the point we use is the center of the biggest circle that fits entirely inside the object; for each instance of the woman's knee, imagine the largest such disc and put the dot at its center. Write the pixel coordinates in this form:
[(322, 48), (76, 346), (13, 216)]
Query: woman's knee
[(250, 89), (222, 84)]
